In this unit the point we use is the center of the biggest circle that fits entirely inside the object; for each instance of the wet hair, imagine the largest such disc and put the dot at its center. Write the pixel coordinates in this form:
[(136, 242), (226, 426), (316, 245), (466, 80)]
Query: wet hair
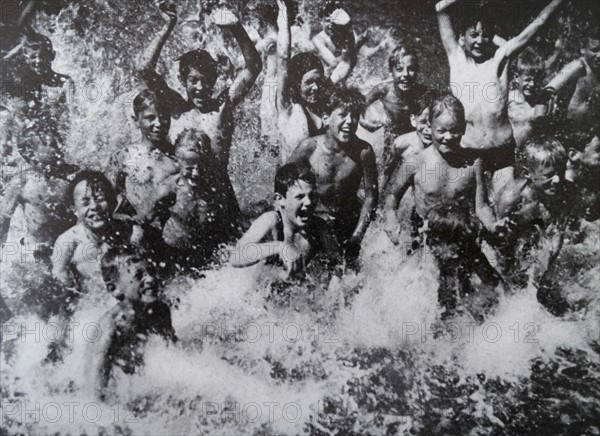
[(148, 98), (447, 103), (289, 174), (328, 7), (469, 14), (299, 65), (591, 32), (424, 101), (94, 178), (530, 62), (194, 140), (400, 52), (541, 150), (202, 61), (345, 98)]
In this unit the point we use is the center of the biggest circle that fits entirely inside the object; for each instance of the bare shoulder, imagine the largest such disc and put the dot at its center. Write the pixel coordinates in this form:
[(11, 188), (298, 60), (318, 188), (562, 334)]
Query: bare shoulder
[(406, 141), (305, 149)]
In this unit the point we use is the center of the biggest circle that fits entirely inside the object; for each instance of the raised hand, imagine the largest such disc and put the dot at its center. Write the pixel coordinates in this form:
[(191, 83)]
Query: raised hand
[(168, 11), (223, 16)]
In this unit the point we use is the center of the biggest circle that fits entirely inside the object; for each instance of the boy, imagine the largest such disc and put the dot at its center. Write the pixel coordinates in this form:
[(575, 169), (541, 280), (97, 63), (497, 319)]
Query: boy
[(40, 190), (198, 72), (341, 161), (200, 217), (291, 233), (412, 142), (77, 252), (335, 44), (444, 172), (126, 327), (139, 171), (584, 171), (479, 77), (397, 95)]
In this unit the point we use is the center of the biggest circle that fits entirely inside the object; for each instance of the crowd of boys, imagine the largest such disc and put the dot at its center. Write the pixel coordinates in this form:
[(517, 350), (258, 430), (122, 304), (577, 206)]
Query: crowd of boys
[(516, 171)]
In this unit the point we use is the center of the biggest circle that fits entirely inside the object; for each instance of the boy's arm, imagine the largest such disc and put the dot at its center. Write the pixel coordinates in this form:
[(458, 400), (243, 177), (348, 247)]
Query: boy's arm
[(569, 73), (246, 78), (250, 250), (483, 210), (371, 194), (8, 205), (449, 40), (283, 56), (64, 247), (482, 267), (99, 364), (404, 179), (515, 45), (376, 93), (303, 151), (392, 160), (324, 53)]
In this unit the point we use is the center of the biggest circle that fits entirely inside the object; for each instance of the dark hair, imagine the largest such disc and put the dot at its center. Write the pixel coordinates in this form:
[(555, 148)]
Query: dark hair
[(94, 178), (447, 103), (328, 7), (592, 32), (400, 52), (197, 139), (200, 60), (540, 150), (147, 98), (289, 174), (424, 101), (530, 62), (469, 14), (345, 98), (299, 65), (37, 41)]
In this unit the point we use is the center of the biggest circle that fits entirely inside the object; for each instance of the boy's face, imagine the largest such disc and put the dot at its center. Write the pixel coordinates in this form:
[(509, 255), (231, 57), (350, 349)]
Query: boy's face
[(38, 59), (447, 133), (405, 73), (422, 126), (199, 88), (341, 124), (528, 83), (91, 205), (299, 203), (477, 42), (310, 87), (591, 53), (153, 124), (545, 179), (131, 280), (190, 165)]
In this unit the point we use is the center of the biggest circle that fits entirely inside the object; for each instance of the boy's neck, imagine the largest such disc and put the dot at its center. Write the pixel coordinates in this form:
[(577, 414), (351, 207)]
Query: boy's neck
[(331, 144)]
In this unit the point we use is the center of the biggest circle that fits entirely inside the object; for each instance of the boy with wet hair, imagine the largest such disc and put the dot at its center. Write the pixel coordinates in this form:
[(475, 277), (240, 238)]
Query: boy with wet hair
[(479, 74), (336, 44), (126, 327), (341, 162), (410, 143), (77, 252), (441, 173), (200, 217), (291, 234), (398, 95)]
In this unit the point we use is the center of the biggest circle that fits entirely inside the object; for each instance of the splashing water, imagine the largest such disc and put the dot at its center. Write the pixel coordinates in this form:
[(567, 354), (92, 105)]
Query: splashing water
[(361, 353)]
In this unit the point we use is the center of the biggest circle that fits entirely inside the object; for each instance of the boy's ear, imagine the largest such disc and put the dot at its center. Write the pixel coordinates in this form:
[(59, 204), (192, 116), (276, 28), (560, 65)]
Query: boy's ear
[(413, 121), (325, 119), (573, 154), (278, 199), (134, 118)]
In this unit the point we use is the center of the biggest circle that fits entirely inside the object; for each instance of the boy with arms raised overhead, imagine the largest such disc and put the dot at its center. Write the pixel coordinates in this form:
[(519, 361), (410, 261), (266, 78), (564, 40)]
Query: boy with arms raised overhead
[(341, 162), (291, 233), (479, 77)]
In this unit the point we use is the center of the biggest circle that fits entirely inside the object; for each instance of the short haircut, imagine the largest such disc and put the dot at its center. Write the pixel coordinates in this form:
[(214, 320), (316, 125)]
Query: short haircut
[(400, 52), (289, 174), (200, 60), (447, 103), (299, 65), (147, 98), (194, 140), (422, 102), (328, 7), (112, 260), (530, 62), (94, 178), (345, 98), (469, 14), (592, 32), (542, 150)]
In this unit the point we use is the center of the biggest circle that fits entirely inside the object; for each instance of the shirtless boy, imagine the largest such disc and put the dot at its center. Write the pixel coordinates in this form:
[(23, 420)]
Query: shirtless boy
[(341, 161), (139, 171), (127, 326), (441, 173), (412, 142), (291, 234), (479, 77), (77, 252), (200, 217), (397, 95)]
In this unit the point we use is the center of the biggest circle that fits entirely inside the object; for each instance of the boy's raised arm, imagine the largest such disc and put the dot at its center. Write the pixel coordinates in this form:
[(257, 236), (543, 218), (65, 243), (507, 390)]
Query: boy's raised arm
[(449, 40), (371, 194), (284, 36), (515, 45), (246, 78), (8, 205)]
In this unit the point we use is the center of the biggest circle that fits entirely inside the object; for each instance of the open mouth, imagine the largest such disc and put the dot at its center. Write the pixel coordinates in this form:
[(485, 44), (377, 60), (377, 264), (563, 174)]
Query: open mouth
[(304, 214), (96, 218)]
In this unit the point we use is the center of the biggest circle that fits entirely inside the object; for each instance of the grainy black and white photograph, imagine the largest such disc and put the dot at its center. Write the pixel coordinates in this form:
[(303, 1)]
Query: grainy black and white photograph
[(299, 217)]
